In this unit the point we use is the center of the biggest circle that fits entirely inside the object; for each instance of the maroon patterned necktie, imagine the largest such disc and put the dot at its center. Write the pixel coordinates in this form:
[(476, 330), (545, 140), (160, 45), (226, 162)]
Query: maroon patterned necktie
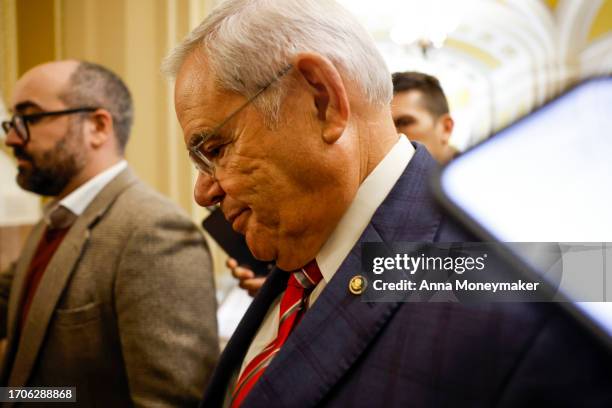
[(60, 221), (292, 306)]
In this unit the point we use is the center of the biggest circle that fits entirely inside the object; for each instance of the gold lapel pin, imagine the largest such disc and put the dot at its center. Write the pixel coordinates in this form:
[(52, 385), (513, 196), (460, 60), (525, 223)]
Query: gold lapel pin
[(357, 285)]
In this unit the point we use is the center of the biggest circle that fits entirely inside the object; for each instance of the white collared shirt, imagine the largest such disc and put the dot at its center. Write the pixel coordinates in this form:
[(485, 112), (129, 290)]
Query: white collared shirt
[(370, 195), (78, 200)]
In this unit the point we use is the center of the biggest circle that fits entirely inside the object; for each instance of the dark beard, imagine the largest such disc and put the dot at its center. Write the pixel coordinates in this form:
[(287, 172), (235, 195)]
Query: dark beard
[(50, 173)]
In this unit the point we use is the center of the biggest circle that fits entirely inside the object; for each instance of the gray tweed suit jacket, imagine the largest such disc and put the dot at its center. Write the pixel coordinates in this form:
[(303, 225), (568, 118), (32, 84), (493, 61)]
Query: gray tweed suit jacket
[(125, 310)]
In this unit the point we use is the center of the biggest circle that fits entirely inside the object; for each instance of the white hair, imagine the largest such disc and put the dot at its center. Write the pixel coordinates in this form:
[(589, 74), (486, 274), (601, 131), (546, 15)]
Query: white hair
[(248, 42)]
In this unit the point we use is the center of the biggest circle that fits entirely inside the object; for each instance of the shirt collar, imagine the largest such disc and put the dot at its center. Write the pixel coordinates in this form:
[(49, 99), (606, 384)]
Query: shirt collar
[(78, 200), (370, 195)]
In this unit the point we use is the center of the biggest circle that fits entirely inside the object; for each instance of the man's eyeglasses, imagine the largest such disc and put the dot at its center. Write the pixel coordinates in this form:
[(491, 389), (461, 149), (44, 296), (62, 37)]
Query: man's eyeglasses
[(202, 162), (20, 122)]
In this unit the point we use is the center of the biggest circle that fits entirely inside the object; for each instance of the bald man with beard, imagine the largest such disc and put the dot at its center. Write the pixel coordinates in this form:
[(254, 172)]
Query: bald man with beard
[(113, 293)]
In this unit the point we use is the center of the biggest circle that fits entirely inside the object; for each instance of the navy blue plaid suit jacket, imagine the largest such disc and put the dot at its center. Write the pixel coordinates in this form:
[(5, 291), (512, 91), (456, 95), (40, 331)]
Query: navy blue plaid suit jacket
[(349, 353)]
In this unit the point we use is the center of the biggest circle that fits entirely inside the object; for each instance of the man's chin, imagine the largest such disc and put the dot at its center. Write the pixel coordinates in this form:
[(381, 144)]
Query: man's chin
[(286, 257), (44, 187), (262, 254), (260, 248), (23, 178)]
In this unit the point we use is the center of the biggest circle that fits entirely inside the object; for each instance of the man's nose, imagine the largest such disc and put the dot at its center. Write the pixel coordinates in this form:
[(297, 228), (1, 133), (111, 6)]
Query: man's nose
[(207, 191), (13, 139)]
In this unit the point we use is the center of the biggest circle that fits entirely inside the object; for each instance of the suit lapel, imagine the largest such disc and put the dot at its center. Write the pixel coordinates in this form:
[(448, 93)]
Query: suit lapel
[(56, 276), (236, 348), (340, 326), (328, 340), (43, 304)]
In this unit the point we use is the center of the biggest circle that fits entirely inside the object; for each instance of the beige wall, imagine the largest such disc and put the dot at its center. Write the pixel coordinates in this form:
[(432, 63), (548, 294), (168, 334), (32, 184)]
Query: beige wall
[(8, 46), (131, 37)]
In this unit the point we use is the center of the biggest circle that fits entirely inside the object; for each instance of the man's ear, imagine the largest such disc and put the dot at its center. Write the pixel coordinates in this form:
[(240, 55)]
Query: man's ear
[(447, 123), (327, 91), (100, 128)]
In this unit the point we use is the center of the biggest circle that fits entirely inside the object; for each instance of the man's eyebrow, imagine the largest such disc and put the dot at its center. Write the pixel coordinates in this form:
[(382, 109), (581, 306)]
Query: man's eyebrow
[(21, 106), (404, 117), (198, 139)]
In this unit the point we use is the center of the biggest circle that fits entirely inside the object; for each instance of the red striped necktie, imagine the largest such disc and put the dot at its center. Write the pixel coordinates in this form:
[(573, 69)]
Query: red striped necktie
[(292, 306)]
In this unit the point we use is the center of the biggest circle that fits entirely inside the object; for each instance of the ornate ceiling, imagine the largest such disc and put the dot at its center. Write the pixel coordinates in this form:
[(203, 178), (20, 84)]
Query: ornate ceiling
[(501, 59)]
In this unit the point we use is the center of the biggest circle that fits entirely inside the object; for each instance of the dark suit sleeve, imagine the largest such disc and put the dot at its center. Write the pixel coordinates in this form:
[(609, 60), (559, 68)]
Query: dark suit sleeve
[(166, 313), (563, 367), (6, 281)]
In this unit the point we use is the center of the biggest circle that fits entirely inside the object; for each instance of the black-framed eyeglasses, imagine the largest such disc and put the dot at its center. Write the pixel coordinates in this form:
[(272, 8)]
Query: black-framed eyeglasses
[(201, 159), (20, 122)]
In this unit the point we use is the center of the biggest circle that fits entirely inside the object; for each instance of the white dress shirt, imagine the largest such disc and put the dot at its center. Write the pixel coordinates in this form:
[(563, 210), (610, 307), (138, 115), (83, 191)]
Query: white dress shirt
[(78, 200), (370, 195)]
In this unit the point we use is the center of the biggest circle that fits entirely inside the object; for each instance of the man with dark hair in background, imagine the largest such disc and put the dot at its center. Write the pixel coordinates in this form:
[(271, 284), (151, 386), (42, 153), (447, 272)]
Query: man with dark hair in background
[(420, 111), (113, 293)]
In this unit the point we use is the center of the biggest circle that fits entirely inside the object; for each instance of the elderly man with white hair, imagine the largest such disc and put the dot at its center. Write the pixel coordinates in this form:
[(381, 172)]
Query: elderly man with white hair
[(285, 109)]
